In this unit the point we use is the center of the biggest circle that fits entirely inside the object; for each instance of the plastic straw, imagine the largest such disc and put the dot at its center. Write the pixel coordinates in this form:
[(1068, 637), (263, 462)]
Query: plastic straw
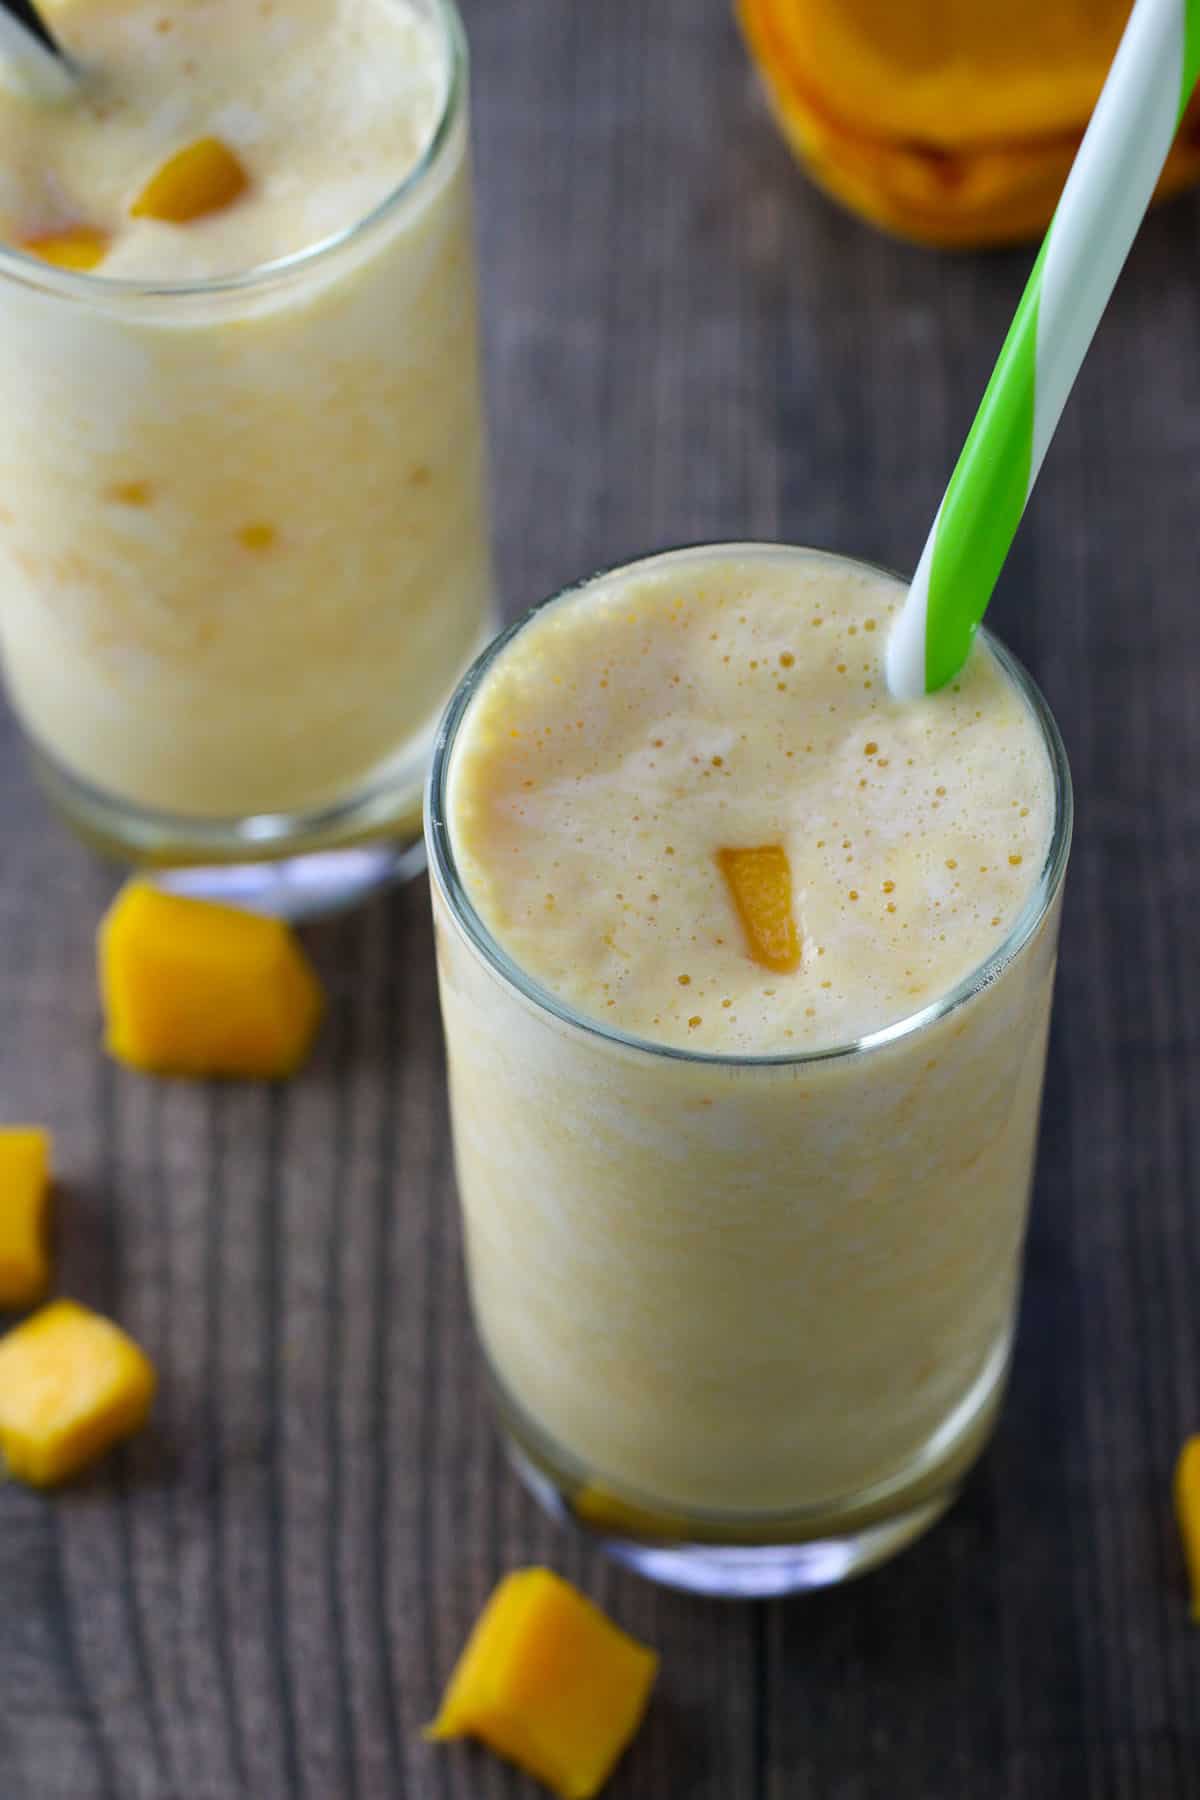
[(1103, 202)]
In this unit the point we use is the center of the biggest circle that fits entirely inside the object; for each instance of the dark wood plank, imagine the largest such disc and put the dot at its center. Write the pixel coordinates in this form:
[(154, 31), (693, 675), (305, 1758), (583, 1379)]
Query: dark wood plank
[(1037, 1644), (261, 1597)]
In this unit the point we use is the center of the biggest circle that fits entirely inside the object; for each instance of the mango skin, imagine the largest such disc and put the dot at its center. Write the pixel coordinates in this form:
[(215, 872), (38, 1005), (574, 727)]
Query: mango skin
[(192, 988)]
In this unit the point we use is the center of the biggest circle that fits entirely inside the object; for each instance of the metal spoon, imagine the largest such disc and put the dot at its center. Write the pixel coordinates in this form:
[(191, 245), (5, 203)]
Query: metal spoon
[(29, 16), (29, 48)]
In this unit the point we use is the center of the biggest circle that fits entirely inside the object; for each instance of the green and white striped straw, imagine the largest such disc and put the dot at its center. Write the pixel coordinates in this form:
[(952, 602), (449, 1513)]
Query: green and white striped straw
[(1105, 198)]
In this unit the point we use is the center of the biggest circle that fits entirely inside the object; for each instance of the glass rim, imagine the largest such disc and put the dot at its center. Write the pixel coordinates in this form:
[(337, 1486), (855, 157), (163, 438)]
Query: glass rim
[(444, 871), (82, 285)]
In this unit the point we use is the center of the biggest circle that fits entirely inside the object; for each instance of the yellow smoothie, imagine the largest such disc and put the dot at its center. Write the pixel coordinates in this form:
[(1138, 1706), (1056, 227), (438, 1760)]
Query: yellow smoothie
[(723, 1261), (243, 535)]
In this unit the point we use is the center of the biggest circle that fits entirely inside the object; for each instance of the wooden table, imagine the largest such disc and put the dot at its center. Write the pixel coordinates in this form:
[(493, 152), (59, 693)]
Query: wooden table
[(261, 1598)]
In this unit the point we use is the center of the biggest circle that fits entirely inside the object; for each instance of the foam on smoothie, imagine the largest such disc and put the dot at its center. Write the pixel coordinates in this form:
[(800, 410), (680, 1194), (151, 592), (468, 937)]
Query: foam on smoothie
[(630, 735), (243, 546), (328, 105)]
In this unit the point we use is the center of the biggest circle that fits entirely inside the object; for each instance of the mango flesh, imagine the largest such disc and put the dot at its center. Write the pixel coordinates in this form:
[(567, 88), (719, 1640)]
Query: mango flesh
[(547, 1681), (760, 886), (24, 1206), (202, 178), (605, 1512), (1187, 1512), (71, 1386), (76, 247), (190, 988)]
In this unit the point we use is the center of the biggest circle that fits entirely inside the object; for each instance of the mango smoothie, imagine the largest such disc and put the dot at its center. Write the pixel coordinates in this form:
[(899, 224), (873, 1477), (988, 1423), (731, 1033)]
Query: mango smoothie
[(243, 532), (743, 1209)]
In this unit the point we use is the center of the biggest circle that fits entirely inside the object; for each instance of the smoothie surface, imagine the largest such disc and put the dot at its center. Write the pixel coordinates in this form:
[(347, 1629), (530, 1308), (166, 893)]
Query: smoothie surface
[(327, 104), (669, 713)]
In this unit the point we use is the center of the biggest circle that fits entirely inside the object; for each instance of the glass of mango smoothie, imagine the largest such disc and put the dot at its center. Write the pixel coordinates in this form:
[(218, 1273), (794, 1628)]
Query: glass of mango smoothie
[(746, 973), (243, 529)]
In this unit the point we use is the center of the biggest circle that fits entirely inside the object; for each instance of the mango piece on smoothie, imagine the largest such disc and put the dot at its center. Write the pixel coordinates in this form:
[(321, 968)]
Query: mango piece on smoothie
[(760, 886), (200, 179), (1187, 1511), (192, 988), (549, 1682), (71, 1386), (24, 1205), (75, 247)]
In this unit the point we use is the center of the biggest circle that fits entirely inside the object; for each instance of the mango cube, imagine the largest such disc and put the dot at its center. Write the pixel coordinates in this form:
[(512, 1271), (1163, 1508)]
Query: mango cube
[(1187, 1511), (201, 178), (760, 886), (24, 1205), (76, 247), (548, 1682), (191, 988), (71, 1386)]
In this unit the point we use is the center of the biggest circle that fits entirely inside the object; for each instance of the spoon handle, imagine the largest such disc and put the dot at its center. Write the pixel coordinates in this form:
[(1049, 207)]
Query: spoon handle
[(27, 15)]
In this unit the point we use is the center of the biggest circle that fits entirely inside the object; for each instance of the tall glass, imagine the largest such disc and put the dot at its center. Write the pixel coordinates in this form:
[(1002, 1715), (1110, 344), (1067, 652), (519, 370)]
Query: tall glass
[(244, 540), (747, 1317)]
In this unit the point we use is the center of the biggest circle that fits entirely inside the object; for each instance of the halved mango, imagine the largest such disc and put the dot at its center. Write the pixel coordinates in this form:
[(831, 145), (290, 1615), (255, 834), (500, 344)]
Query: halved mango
[(760, 886), (71, 1385), (24, 1203), (191, 988), (201, 178), (549, 1682)]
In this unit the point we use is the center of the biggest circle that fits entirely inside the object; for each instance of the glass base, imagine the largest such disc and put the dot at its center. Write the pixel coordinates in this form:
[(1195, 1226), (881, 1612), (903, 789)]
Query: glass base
[(748, 1555), (292, 866), (298, 887), (745, 1571)]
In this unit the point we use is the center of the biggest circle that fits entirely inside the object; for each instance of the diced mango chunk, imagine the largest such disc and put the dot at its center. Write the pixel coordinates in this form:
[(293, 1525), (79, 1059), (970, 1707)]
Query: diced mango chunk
[(76, 247), (550, 1683), (760, 886), (201, 178), (191, 988), (1187, 1511), (71, 1386), (24, 1205)]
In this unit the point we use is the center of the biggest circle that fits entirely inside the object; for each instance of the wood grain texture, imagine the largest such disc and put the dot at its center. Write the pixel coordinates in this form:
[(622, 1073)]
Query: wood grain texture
[(260, 1598)]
